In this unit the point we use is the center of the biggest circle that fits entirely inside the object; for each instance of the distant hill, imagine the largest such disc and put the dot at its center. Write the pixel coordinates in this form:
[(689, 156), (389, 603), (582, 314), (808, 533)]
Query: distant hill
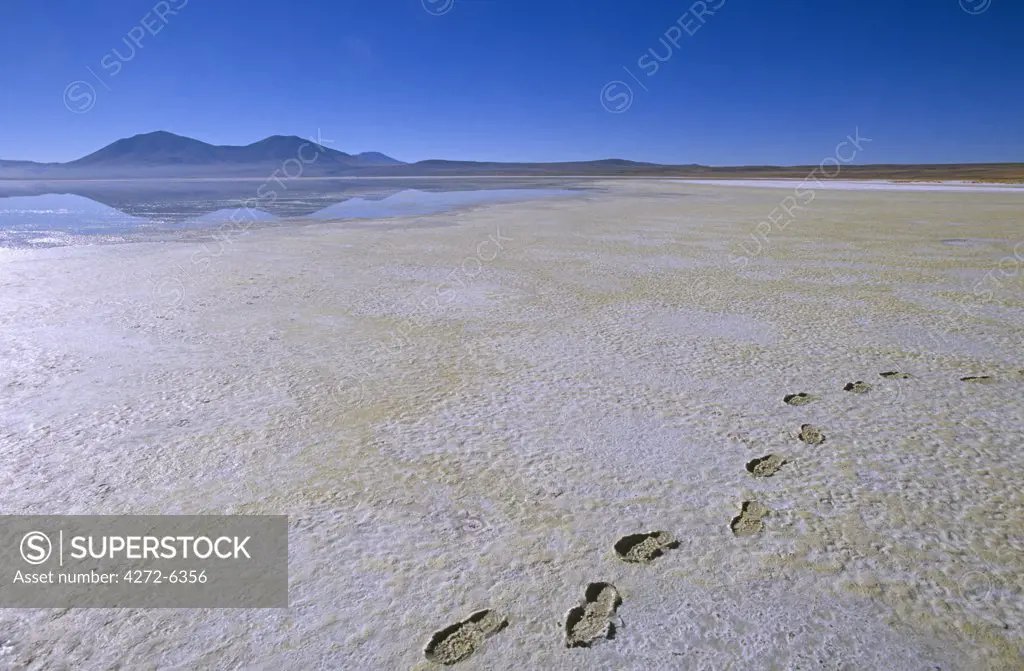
[(165, 155), (375, 158)]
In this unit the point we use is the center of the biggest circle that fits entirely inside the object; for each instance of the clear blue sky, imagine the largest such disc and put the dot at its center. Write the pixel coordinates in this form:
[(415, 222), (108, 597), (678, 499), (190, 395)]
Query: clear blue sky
[(759, 82)]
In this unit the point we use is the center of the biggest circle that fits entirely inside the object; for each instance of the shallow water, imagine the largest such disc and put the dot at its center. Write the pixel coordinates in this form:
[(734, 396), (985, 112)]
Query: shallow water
[(48, 214)]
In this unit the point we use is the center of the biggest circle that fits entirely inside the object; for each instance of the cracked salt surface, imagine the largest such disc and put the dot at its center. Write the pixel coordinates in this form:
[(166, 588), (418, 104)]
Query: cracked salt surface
[(492, 456)]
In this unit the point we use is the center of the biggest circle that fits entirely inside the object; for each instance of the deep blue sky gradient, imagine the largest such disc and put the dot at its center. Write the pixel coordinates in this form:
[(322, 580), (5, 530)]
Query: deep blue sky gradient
[(759, 83)]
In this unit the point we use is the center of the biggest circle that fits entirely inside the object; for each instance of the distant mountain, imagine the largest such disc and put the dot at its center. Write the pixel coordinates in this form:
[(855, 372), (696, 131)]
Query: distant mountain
[(375, 158), (159, 148), (163, 154), (163, 149), (611, 166)]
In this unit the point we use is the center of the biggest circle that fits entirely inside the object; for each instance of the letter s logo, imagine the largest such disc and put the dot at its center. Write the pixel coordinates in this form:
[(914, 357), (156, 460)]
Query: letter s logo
[(36, 547)]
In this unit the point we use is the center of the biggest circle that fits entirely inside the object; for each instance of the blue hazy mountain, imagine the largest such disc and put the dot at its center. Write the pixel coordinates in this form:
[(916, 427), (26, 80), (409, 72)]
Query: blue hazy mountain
[(163, 154), (166, 155), (167, 149)]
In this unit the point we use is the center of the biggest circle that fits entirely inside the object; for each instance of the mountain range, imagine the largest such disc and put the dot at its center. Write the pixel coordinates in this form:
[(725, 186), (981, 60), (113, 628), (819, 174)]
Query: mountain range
[(162, 154)]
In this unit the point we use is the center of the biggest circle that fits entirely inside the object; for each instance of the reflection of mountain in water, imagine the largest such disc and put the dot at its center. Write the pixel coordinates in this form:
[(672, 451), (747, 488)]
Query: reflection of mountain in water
[(59, 219), (421, 202), (179, 202), (63, 212)]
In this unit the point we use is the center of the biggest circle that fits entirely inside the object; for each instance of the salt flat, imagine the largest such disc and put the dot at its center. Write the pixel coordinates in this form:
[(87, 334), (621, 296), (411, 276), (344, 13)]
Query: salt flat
[(818, 182), (467, 410)]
